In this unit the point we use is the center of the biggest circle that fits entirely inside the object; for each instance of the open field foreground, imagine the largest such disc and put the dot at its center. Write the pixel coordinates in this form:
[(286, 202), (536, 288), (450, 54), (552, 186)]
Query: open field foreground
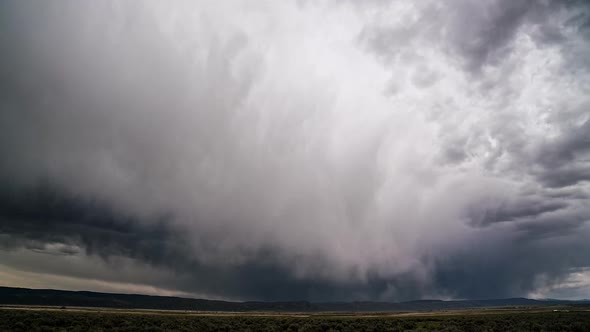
[(86, 319)]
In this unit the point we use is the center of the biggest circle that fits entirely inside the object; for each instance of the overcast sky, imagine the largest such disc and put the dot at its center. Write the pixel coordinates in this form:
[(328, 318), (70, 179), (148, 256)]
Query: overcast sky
[(296, 150)]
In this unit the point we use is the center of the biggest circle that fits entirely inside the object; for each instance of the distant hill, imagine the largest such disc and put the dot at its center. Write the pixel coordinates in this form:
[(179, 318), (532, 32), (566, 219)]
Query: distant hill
[(51, 297)]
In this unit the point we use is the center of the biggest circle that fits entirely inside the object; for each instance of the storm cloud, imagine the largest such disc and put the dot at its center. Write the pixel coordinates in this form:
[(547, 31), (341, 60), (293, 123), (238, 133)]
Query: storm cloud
[(383, 150)]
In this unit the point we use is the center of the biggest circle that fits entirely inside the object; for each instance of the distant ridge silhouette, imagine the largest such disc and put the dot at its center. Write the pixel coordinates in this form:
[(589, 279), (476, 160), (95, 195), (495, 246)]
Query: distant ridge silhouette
[(52, 297)]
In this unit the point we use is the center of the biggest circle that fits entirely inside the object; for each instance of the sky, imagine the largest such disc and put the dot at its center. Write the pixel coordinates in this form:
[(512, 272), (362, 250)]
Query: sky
[(296, 150)]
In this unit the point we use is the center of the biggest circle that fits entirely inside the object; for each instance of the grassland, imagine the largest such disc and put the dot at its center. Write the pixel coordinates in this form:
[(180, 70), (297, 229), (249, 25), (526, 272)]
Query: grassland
[(13, 318)]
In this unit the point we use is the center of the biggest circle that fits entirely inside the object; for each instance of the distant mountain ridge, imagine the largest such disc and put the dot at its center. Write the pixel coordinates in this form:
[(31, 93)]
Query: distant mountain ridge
[(51, 297)]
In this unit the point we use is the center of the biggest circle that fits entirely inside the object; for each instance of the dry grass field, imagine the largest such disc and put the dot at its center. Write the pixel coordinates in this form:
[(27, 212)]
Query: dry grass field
[(37, 318)]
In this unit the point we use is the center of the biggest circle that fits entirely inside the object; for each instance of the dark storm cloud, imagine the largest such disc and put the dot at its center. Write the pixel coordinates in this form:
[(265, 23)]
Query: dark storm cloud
[(531, 264), (388, 150), (46, 215)]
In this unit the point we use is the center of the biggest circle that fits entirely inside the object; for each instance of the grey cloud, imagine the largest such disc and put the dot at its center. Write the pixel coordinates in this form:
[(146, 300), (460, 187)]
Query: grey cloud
[(566, 176), (478, 33), (563, 162), (514, 210), (482, 32), (249, 151)]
